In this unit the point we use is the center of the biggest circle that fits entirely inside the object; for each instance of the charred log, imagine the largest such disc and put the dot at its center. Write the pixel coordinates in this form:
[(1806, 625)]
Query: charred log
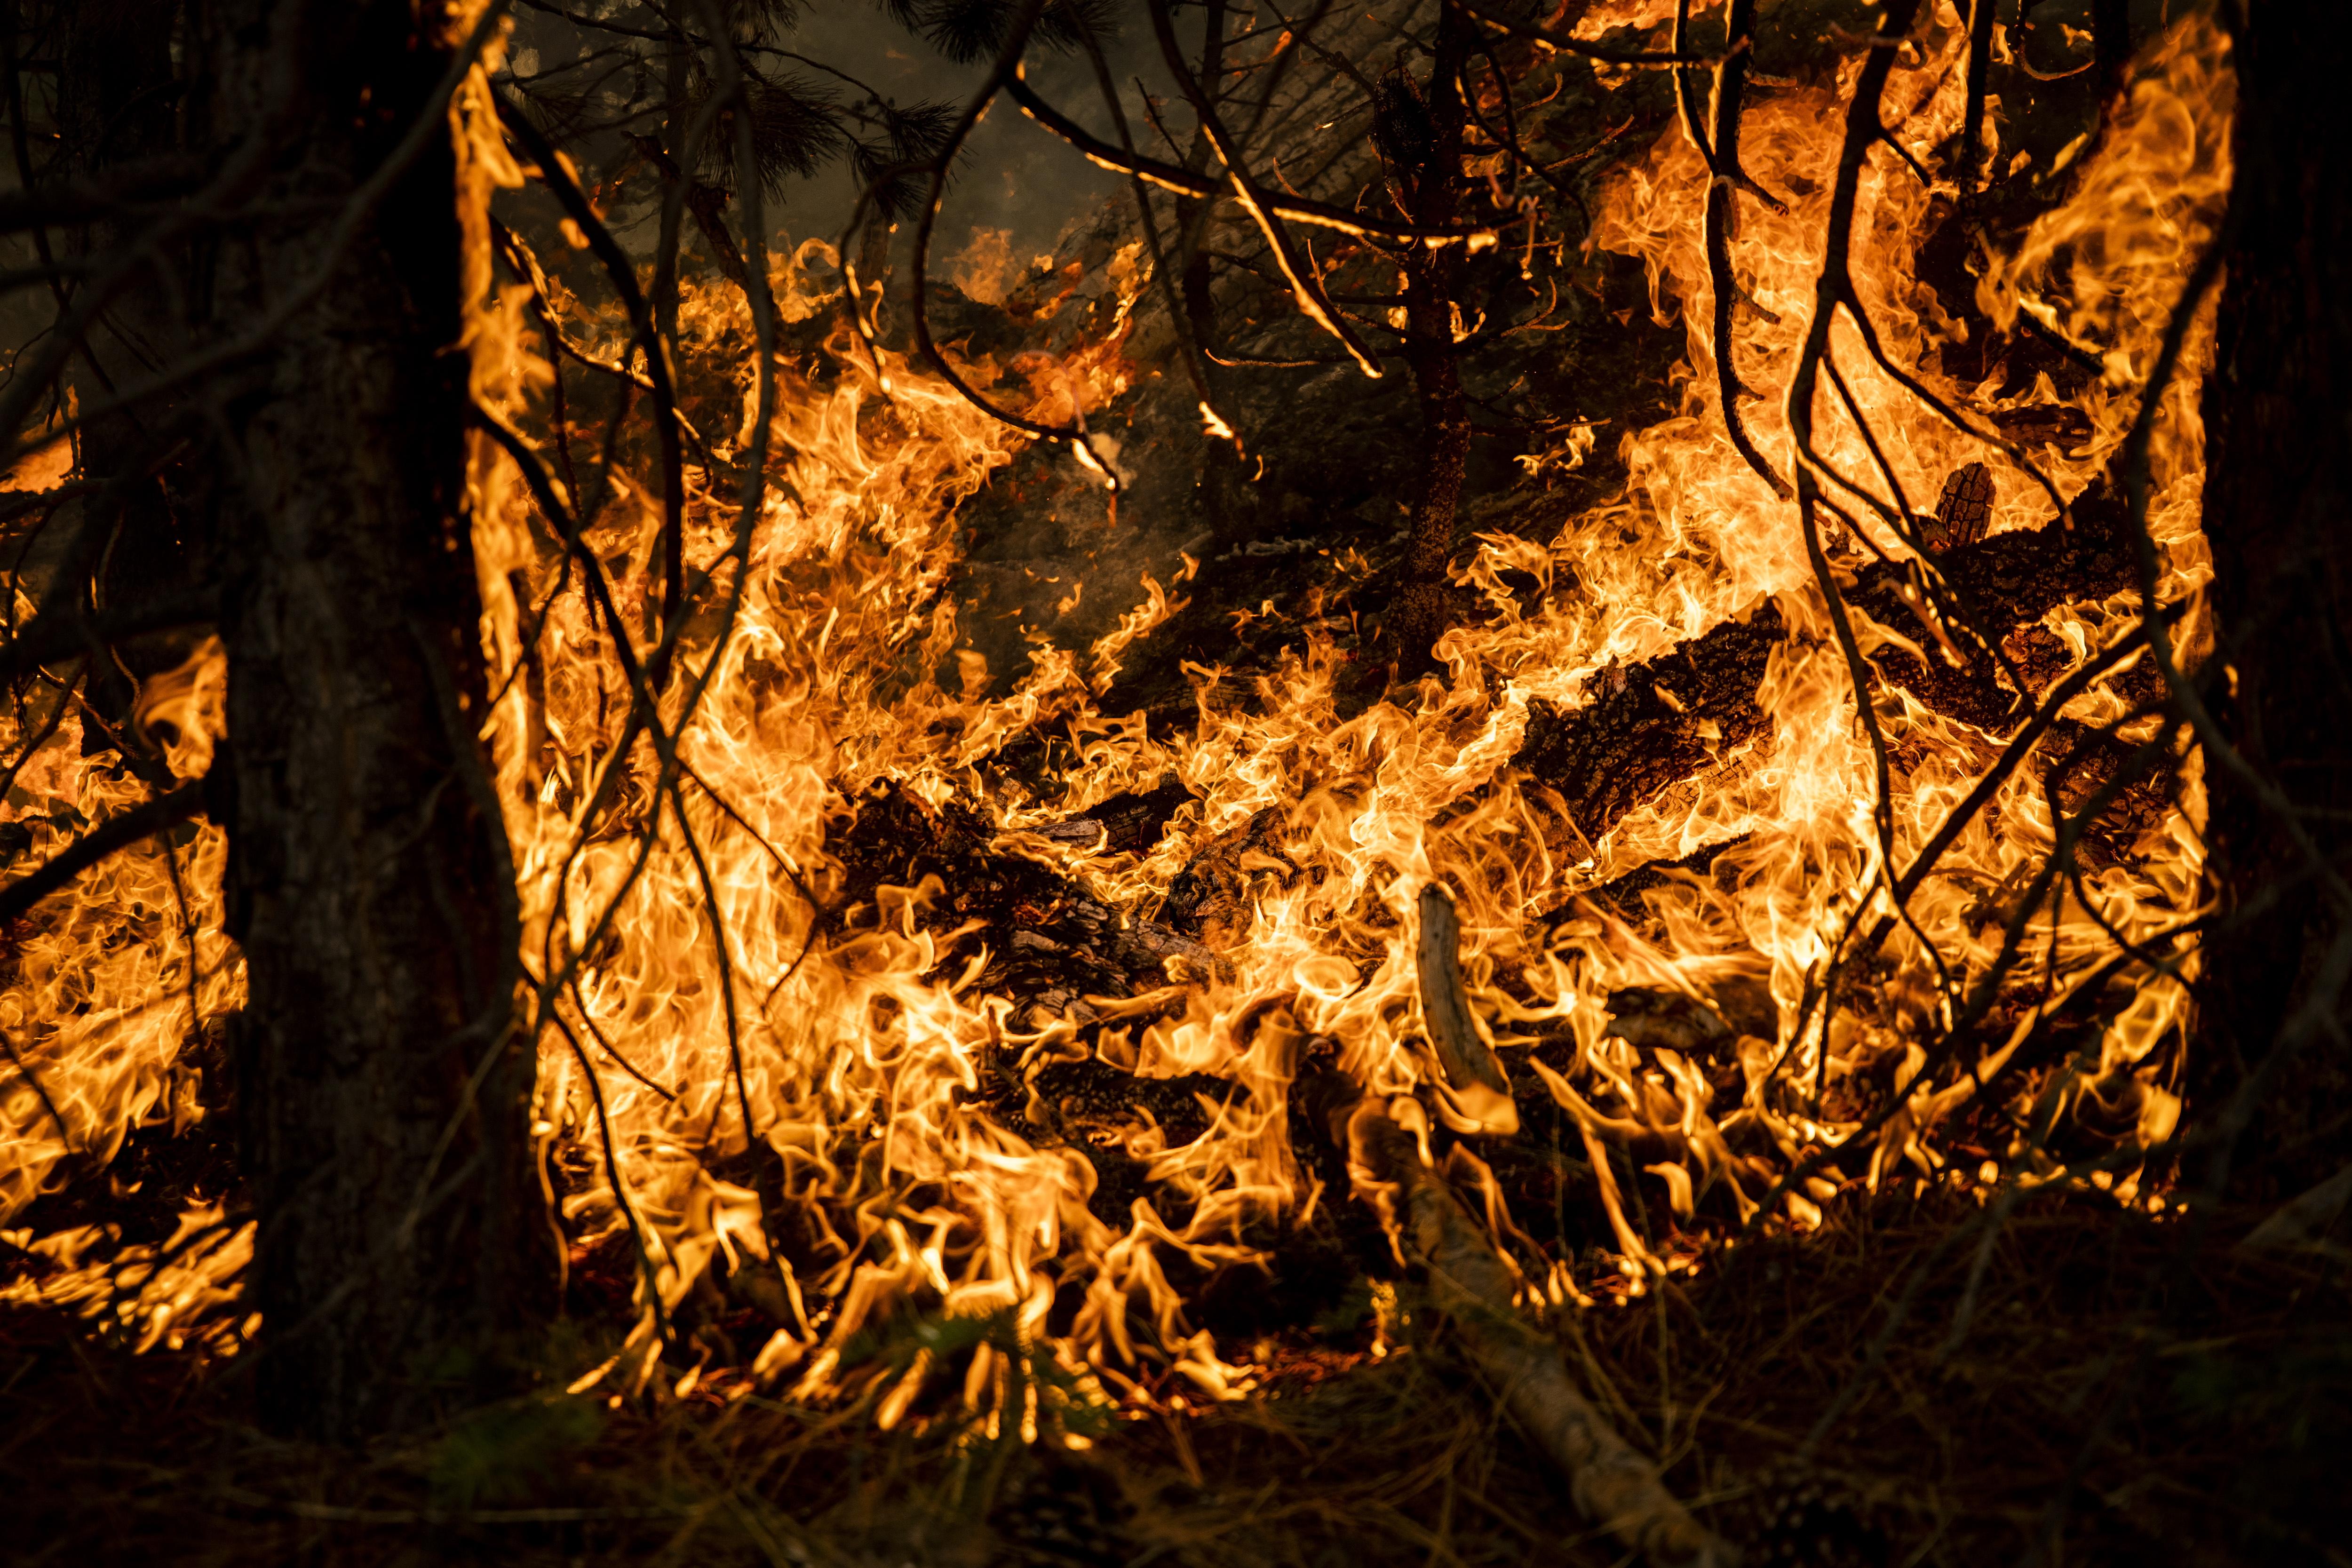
[(1052, 943), (2001, 586), (1130, 821), (1654, 725), (1212, 894)]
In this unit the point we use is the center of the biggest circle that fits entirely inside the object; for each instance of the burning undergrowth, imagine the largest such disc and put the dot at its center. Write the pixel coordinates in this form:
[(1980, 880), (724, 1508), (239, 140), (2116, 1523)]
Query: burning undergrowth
[(968, 1048)]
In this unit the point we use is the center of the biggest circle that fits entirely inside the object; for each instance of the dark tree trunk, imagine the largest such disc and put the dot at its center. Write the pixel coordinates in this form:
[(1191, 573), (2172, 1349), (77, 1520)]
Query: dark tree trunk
[(383, 1088), (2278, 415), (1420, 130)]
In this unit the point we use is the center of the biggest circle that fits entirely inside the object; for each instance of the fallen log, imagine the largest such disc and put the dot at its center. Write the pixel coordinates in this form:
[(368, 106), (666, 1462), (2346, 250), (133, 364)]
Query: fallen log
[(1652, 726), (1613, 1485)]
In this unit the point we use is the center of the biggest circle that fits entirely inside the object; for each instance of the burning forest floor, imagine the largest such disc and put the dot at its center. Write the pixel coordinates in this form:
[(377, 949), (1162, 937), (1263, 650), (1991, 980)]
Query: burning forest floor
[(1186, 1094), (1889, 1389)]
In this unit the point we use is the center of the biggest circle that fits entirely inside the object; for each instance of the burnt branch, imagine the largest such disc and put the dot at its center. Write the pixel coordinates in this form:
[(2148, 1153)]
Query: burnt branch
[(1727, 178), (622, 272), (115, 834)]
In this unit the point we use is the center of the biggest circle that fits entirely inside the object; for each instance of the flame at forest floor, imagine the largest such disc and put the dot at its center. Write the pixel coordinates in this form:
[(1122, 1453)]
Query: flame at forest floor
[(874, 1080), (2199, 1423)]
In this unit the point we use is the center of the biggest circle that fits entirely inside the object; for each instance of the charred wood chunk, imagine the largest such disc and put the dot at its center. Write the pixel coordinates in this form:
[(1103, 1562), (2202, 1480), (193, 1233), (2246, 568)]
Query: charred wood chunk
[(2080, 762), (1211, 893), (1129, 822), (2024, 574), (2001, 583), (2059, 425), (1623, 894), (897, 840), (1055, 943), (1665, 721), (1659, 726), (1647, 1016), (1964, 511), (1118, 1120)]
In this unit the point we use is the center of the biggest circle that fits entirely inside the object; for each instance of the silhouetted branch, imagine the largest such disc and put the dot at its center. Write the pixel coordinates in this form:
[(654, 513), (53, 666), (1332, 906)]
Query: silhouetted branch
[(1306, 288), (622, 273), (1184, 183), (116, 833)]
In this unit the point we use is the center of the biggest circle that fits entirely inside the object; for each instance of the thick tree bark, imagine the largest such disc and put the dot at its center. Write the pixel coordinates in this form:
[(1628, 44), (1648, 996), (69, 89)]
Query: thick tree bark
[(2278, 509), (383, 1088), (1420, 132)]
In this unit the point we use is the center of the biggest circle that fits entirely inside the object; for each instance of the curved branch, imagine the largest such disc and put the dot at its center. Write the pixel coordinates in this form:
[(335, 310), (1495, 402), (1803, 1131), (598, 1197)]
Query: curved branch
[(1306, 288), (1686, 94), (1721, 151), (56, 633), (1190, 348), (554, 173), (1831, 289), (1182, 182), (1008, 70), (116, 833)]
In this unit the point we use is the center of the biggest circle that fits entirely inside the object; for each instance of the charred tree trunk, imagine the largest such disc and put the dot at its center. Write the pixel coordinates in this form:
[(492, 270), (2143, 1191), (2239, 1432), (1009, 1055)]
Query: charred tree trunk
[(1420, 132), (383, 1088), (2278, 509)]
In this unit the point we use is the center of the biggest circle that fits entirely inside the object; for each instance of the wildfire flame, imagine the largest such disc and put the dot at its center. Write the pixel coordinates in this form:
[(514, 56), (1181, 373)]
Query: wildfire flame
[(714, 974)]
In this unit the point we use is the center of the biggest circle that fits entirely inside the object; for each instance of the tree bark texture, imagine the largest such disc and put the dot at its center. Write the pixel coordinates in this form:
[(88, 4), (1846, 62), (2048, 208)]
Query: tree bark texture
[(2278, 510), (383, 1088), (1420, 132)]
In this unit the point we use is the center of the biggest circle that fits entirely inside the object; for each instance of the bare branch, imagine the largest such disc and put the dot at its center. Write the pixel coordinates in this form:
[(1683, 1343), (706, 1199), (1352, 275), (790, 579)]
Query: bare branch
[(116, 833)]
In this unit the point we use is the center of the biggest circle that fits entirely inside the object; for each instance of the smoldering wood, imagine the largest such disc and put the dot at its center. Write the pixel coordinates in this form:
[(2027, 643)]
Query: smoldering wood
[(1052, 943), (1131, 821), (1647, 726)]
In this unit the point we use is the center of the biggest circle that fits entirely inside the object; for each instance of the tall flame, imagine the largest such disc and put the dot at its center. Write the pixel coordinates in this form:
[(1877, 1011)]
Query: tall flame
[(713, 972)]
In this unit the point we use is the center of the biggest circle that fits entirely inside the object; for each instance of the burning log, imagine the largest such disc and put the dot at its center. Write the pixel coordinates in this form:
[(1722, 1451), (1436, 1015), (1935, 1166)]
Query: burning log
[(1474, 1286), (1652, 726), (1052, 943), (1211, 893), (1131, 822), (2002, 584), (1649, 727)]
